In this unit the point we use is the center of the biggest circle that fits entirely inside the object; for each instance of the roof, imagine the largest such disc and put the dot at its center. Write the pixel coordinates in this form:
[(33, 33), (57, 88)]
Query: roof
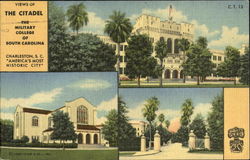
[(38, 111), (87, 127), (48, 130)]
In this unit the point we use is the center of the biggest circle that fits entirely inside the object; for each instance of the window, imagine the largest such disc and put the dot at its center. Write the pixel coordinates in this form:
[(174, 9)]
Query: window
[(17, 119), (121, 47), (214, 58), (219, 58), (49, 122), (34, 121), (82, 114)]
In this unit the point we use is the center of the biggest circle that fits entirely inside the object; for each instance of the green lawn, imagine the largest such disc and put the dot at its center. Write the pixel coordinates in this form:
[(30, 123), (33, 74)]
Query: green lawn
[(181, 85), (32, 154)]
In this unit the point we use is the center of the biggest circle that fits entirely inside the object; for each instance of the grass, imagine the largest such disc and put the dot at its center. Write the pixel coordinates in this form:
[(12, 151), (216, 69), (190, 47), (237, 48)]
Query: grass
[(207, 152), (32, 154), (132, 84)]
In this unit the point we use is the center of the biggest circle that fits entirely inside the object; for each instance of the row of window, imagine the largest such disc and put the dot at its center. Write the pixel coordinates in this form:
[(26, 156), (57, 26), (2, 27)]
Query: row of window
[(219, 58), (82, 117)]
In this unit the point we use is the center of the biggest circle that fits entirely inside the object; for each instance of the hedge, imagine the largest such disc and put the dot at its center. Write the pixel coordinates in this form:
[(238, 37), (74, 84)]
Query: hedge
[(42, 145)]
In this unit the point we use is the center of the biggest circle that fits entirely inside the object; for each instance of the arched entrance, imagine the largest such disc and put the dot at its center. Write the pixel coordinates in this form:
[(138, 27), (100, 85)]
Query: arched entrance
[(87, 138), (79, 138), (181, 74), (167, 74), (175, 74), (95, 139)]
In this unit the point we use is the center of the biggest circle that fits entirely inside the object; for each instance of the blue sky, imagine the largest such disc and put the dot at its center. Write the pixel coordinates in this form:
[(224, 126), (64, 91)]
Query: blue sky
[(170, 99), (51, 90), (217, 20)]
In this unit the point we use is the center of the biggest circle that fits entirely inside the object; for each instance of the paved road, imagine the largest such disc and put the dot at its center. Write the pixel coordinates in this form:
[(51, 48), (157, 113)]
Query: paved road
[(174, 151)]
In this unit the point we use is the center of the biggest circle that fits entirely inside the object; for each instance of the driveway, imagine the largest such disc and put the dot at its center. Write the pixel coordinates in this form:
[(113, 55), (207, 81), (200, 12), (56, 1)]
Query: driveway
[(174, 151)]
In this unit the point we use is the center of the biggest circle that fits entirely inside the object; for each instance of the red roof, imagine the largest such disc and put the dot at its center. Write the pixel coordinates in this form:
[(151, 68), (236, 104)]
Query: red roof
[(87, 127), (39, 111)]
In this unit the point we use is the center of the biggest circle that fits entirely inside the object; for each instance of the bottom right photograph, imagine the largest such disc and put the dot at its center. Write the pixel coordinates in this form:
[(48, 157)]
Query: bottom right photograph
[(183, 123)]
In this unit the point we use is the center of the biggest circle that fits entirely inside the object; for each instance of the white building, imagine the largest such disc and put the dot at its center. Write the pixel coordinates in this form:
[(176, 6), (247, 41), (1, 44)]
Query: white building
[(37, 123), (140, 127), (171, 32)]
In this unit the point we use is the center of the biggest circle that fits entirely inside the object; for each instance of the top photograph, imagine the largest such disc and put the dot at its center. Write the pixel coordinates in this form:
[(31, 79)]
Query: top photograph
[(152, 44)]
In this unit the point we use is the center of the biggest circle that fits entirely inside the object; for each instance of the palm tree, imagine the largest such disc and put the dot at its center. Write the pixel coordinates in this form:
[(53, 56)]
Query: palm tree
[(77, 16), (184, 45), (161, 53), (161, 118), (187, 110), (148, 111), (119, 28), (167, 123)]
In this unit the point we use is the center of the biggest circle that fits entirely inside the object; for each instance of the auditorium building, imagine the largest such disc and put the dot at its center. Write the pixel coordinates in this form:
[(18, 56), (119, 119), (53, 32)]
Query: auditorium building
[(38, 124)]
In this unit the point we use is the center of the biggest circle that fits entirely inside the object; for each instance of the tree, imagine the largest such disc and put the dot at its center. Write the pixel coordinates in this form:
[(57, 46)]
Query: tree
[(199, 62), (184, 45), (161, 53), (119, 28), (167, 123), (198, 126), (110, 128), (6, 128), (216, 123), (63, 128), (89, 53), (148, 112), (59, 40), (127, 134), (161, 118), (231, 66), (187, 110), (77, 16), (140, 62), (244, 70)]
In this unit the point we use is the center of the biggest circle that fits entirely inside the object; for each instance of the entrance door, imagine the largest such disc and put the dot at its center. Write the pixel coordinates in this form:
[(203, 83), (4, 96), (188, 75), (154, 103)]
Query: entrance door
[(167, 74), (95, 139), (79, 138), (175, 74), (87, 138)]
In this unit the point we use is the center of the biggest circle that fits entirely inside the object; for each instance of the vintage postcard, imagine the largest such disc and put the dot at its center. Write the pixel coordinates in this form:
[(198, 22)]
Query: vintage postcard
[(128, 80)]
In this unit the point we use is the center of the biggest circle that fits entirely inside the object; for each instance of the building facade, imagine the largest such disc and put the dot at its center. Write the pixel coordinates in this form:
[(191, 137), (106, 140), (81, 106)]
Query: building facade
[(38, 123), (171, 32), (139, 126)]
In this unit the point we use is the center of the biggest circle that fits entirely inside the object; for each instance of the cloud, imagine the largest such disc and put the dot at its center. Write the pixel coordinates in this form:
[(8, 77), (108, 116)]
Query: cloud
[(95, 25), (174, 124), (108, 105), (230, 36), (203, 30), (4, 115), (202, 108), (91, 84), (36, 98), (100, 120)]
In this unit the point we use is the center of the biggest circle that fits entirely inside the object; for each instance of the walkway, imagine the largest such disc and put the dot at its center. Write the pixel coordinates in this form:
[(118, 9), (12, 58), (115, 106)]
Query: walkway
[(175, 151)]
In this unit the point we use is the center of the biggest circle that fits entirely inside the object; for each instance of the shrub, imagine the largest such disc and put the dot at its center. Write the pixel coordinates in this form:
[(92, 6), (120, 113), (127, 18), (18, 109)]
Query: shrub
[(25, 139), (35, 141)]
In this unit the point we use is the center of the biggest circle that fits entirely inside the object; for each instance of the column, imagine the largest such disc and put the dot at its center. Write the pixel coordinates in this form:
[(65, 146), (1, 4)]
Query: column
[(91, 138), (171, 74), (172, 45), (191, 140), (83, 138), (207, 142), (157, 141), (143, 143), (179, 74)]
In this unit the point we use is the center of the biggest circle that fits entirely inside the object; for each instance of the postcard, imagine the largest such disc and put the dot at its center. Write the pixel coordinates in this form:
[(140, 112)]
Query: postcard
[(128, 80)]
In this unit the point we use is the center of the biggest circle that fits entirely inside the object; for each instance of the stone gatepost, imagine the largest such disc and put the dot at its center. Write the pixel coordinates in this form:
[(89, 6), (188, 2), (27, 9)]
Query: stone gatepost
[(143, 143), (207, 142), (191, 140), (157, 141)]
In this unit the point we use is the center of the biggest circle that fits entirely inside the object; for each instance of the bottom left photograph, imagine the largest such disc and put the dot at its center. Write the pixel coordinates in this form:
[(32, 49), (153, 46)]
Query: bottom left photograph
[(59, 116)]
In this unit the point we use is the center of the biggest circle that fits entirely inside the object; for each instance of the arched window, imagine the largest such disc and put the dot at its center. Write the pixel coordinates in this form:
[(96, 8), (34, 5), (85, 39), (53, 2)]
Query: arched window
[(49, 122), (82, 115), (169, 44), (17, 119), (34, 121)]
